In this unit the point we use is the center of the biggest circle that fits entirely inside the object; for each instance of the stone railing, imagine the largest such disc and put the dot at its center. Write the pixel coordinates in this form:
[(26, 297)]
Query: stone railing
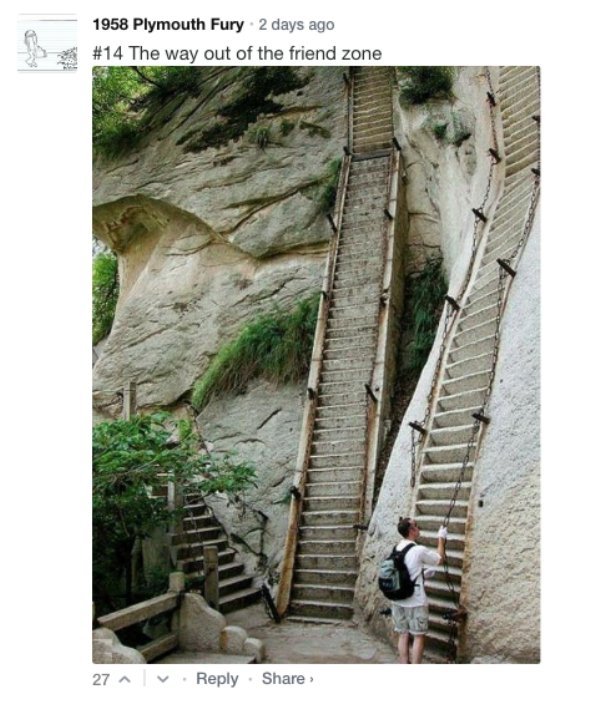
[(194, 628)]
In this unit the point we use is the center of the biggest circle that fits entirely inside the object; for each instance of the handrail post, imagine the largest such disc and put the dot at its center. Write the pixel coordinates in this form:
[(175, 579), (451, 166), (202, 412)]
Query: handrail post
[(211, 575)]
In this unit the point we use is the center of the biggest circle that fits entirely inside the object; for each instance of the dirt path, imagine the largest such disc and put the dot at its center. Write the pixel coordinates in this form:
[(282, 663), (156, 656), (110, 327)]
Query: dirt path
[(311, 643)]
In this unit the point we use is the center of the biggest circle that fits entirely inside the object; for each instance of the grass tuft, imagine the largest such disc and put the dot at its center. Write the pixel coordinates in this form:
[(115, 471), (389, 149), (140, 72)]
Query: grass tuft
[(424, 300), (276, 346)]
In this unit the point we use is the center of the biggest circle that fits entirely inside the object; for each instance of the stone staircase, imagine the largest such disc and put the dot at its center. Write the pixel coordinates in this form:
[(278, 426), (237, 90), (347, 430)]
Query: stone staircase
[(326, 565), (466, 373), (200, 527)]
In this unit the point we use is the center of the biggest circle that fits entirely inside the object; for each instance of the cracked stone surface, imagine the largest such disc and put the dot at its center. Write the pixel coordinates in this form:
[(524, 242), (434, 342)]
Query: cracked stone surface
[(207, 241), (262, 426)]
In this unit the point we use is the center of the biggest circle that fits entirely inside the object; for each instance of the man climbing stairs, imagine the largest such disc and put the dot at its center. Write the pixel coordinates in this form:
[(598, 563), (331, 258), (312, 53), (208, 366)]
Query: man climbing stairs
[(450, 446)]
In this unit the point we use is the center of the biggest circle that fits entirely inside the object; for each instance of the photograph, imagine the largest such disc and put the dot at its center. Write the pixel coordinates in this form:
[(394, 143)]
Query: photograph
[(316, 364)]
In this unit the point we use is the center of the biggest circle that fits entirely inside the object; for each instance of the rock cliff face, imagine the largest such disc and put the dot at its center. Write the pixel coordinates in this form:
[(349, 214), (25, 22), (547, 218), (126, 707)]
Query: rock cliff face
[(207, 240)]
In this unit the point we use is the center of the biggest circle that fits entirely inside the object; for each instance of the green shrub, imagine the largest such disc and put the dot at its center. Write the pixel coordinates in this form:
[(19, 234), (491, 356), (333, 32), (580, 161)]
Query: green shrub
[(261, 136), (440, 130), (259, 84), (421, 83), (329, 186), (105, 293), (425, 297), (276, 346), (286, 127)]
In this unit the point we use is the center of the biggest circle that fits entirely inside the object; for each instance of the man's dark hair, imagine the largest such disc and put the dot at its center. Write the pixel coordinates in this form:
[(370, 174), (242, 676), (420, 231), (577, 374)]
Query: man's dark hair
[(404, 525)]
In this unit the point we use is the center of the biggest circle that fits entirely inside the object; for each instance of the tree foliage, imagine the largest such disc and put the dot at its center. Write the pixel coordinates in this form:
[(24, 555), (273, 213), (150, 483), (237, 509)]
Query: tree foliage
[(105, 293), (131, 461), (421, 83), (122, 99)]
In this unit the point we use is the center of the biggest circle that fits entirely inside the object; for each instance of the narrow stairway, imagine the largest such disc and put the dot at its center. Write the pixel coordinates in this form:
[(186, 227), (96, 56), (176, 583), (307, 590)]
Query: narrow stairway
[(326, 566), (467, 371), (201, 528)]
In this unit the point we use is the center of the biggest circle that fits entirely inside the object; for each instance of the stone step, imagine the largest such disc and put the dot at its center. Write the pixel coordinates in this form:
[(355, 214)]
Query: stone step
[(528, 104), (193, 536), (370, 290), (343, 387), (477, 349), (524, 163), (382, 138), (437, 510), (360, 374), (511, 214), (458, 417), (342, 399), (327, 419), (432, 522), (360, 146), (438, 589), (349, 320), (467, 382), (477, 317), (324, 504), (328, 533), (328, 412), (346, 301), (327, 547), (451, 434), (526, 126), (239, 599), (234, 568), (192, 565), (524, 85), (349, 445), (443, 491), (325, 577), (196, 523), (483, 287), (196, 550), (448, 454), (454, 543), (331, 517), (384, 122), (232, 584), (343, 460), (330, 435), (355, 311), (320, 609), (340, 474), (334, 488), (445, 472), (329, 594), (505, 244), (480, 363), (195, 510), (479, 300), (330, 562), (476, 333), (461, 401), (527, 150)]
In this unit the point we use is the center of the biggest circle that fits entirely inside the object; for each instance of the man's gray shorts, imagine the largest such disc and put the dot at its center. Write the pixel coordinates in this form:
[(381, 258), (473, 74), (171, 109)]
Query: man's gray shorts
[(410, 620)]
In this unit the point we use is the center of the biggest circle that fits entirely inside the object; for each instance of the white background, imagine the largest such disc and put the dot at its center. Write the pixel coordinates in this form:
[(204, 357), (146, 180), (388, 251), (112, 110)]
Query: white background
[(46, 332)]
